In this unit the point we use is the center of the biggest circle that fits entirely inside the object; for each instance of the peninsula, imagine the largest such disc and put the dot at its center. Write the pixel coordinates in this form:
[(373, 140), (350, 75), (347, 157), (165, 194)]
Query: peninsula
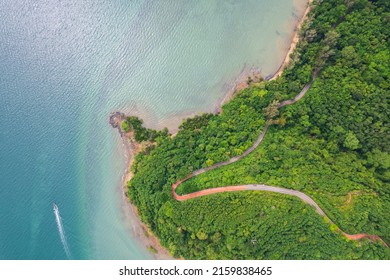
[(296, 167)]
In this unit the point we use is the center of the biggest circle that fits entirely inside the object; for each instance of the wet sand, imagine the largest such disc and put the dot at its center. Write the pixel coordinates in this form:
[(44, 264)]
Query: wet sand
[(139, 229), (294, 42)]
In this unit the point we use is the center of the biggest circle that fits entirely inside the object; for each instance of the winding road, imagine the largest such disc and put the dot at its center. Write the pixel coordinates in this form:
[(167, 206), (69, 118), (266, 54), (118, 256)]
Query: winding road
[(260, 187)]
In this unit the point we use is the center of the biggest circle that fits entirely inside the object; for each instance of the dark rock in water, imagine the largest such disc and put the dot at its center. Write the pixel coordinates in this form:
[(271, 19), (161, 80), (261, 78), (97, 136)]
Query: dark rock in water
[(116, 118)]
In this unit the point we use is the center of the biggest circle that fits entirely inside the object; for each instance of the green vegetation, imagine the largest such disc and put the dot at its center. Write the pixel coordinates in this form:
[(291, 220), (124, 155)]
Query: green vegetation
[(334, 145), (141, 133), (152, 250)]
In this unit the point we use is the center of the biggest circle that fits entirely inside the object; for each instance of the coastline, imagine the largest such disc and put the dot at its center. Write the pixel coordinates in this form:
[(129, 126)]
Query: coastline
[(294, 42), (254, 74), (141, 230)]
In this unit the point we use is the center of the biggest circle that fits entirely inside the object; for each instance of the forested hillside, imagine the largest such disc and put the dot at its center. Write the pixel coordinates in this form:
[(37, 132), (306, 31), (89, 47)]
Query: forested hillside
[(333, 145)]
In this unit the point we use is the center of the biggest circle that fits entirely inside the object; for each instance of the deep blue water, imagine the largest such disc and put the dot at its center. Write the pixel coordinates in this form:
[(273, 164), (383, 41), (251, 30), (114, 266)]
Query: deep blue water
[(65, 65)]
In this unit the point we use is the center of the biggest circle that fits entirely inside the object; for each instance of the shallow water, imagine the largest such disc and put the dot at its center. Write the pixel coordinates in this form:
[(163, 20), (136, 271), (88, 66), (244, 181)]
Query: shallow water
[(65, 65)]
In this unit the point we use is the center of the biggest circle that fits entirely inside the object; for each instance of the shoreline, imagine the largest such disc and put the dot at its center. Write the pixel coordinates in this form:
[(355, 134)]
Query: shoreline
[(254, 73), (294, 42), (141, 230)]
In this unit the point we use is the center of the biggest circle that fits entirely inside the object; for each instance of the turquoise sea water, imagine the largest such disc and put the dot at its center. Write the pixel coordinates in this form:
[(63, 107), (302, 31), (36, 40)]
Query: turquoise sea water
[(65, 65)]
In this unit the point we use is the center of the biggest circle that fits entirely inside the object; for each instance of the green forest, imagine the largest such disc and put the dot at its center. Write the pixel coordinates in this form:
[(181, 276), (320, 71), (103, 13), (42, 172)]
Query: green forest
[(333, 145)]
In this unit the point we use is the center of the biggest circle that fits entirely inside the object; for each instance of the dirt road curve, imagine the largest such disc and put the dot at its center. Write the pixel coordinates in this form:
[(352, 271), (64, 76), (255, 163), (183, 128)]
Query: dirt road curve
[(261, 187)]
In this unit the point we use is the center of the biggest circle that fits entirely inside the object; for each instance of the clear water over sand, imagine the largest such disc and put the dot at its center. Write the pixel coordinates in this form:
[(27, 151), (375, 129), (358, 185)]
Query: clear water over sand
[(65, 65)]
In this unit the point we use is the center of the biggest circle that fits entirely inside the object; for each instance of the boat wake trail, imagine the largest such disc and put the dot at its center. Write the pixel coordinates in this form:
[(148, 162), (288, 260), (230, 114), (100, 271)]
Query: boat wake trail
[(61, 231)]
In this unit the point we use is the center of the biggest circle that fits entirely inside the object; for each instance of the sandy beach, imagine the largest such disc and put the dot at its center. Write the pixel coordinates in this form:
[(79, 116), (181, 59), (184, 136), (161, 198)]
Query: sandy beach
[(141, 230), (294, 42)]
